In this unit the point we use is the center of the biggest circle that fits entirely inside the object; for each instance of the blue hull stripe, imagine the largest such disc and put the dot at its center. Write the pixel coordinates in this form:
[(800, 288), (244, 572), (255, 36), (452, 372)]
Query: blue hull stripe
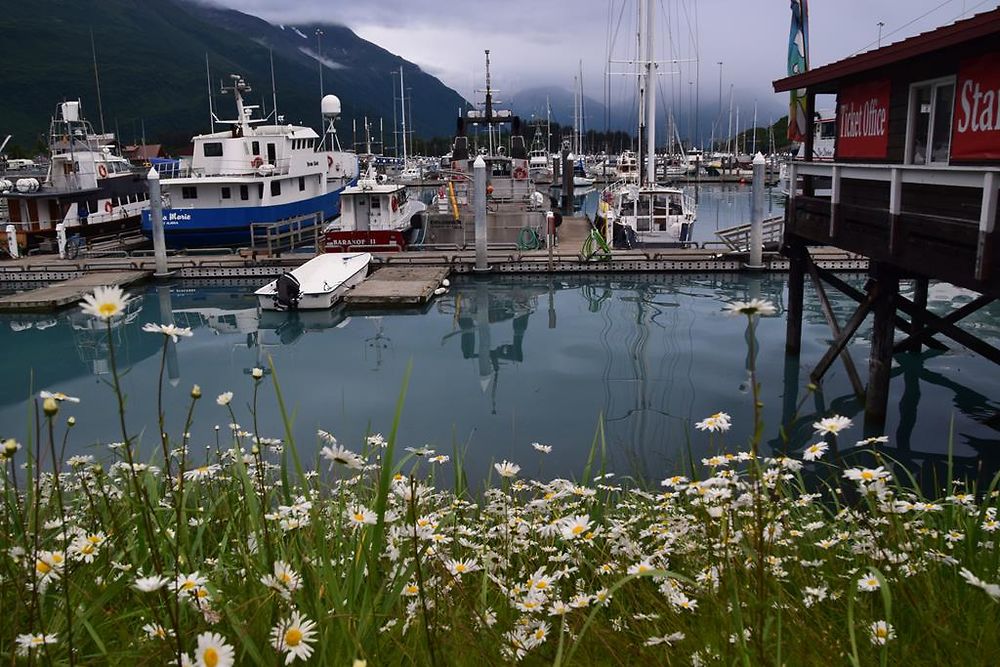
[(210, 227)]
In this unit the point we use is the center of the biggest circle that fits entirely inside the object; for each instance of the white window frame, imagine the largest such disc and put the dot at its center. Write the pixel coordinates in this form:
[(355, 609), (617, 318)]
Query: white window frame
[(912, 111)]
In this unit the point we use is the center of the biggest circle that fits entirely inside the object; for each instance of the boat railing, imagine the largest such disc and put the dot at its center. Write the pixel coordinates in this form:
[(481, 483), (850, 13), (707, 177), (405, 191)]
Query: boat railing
[(274, 237), (254, 167)]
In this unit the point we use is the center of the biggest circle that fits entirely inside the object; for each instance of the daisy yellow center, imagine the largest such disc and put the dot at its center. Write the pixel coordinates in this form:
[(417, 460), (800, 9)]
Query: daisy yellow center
[(87, 549), (285, 578), (43, 567), (577, 529), (293, 637), (542, 584), (358, 516), (94, 539), (57, 558), (188, 585), (107, 310), (460, 567), (210, 657), (203, 469), (202, 593), (881, 632), (867, 475)]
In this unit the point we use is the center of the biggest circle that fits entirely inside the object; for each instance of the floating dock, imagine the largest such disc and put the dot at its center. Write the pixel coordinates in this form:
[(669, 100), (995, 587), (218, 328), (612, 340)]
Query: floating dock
[(407, 286), (68, 292)]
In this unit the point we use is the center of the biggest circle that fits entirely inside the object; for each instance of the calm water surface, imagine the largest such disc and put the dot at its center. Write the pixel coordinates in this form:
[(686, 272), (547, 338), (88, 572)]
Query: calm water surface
[(498, 364)]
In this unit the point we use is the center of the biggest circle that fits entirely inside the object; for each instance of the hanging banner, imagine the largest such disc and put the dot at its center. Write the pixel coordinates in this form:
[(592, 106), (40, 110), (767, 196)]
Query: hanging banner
[(863, 120), (975, 126), (798, 62)]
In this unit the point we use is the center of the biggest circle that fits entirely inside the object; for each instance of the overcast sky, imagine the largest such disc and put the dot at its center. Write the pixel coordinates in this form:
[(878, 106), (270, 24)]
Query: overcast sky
[(540, 42)]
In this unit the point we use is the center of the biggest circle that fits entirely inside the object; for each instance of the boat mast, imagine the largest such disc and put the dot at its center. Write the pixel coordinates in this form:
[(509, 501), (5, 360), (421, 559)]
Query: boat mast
[(274, 90), (97, 81), (402, 105), (208, 78), (640, 51), (650, 95)]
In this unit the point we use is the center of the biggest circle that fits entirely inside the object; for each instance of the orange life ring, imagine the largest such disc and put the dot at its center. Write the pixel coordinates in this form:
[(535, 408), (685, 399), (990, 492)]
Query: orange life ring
[(329, 161), (395, 204), (256, 162), (520, 173), (108, 206), (102, 171)]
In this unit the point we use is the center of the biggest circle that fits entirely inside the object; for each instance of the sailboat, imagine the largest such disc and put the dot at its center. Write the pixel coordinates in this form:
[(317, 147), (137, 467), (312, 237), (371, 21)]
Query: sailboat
[(646, 213)]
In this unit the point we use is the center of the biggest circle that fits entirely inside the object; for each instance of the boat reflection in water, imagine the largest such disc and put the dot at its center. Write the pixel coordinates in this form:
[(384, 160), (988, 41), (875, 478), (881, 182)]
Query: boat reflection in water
[(502, 361)]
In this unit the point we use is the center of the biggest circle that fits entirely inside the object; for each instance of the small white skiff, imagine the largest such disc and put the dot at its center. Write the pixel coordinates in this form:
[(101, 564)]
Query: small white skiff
[(317, 284)]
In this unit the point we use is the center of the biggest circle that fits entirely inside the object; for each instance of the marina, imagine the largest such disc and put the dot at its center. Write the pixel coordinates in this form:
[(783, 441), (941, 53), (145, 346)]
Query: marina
[(360, 336)]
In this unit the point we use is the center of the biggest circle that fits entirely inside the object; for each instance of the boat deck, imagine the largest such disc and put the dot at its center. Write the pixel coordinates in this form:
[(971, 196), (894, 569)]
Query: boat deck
[(62, 294)]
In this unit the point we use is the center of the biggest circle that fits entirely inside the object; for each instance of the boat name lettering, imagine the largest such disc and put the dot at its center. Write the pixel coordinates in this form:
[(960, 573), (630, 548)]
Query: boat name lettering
[(171, 216)]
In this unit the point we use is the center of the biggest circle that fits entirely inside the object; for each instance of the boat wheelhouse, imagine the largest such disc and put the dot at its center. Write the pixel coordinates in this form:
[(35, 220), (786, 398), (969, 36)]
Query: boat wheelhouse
[(255, 174), (376, 214), (88, 188)]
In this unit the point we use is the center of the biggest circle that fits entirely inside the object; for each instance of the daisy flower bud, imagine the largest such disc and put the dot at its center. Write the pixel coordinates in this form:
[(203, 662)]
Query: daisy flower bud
[(50, 406)]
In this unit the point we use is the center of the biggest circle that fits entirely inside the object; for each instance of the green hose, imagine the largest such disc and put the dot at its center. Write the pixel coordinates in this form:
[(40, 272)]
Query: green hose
[(527, 239)]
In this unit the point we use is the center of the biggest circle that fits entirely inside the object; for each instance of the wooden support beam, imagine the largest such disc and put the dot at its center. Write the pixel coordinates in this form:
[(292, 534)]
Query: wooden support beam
[(895, 207), (797, 256), (850, 328), (916, 321), (880, 358), (946, 326), (859, 296), (834, 202), (831, 319)]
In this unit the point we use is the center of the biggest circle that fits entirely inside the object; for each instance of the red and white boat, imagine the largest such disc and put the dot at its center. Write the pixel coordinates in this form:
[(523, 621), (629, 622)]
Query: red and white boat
[(375, 215)]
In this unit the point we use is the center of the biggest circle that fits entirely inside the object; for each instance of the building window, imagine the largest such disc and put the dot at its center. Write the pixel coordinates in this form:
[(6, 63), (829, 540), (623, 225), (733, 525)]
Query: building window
[(302, 183), (227, 193), (275, 188), (244, 192), (213, 149), (928, 132), (189, 192)]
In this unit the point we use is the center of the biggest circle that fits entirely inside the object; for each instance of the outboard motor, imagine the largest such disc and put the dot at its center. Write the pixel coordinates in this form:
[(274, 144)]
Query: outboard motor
[(288, 291)]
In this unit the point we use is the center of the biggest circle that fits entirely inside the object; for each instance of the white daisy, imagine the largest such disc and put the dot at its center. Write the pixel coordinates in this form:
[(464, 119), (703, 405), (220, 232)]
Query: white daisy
[(293, 636), (170, 330), (815, 451), (834, 425), (507, 469), (105, 302), (213, 651)]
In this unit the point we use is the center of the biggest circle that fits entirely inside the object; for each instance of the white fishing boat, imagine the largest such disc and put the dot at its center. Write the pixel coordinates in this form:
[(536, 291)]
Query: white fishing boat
[(375, 214), (317, 284)]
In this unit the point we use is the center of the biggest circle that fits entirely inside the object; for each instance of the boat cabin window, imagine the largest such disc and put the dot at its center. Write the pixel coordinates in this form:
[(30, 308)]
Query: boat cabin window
[(828, 129), (213, 149), (275, 188), (928, 130), (302, 183), (227, 193), (271, 154), (244, 192), (500, 168), (260, 191), (255, 147), (376, 202), (189, 192)]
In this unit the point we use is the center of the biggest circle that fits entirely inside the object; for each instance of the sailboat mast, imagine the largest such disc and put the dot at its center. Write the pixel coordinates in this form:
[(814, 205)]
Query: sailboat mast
[(650, 95), (753, 151), (402, 104), (208, 78), (97, 81)]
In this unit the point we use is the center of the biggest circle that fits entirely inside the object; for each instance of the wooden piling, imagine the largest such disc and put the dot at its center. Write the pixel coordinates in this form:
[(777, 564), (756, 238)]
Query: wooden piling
[(795, 252), (880, 360), (916, 321)]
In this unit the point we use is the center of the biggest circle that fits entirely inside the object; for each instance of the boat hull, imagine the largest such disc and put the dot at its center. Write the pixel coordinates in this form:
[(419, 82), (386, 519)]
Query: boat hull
[(230, 226), (380, 240)]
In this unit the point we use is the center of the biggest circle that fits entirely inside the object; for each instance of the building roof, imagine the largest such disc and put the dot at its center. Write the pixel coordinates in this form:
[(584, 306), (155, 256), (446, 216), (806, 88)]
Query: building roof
[(974, 27), (143, 151)]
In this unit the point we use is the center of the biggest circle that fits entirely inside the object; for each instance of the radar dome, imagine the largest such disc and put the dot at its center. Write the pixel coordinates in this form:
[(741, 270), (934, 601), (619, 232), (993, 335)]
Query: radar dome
[(330, 106)]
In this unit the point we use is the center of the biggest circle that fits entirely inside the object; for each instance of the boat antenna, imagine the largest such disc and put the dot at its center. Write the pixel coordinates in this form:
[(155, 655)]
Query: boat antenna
[(402, 112), (208, 78), (274, 93), (97, 80)]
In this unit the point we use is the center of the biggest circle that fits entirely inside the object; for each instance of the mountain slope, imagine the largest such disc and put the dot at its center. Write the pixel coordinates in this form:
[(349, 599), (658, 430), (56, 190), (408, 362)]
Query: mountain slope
[(151, 58)]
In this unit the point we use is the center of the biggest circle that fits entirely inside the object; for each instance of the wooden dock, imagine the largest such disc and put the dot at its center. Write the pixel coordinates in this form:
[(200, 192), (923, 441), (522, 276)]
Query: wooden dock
[(61, 294), (397, 286)]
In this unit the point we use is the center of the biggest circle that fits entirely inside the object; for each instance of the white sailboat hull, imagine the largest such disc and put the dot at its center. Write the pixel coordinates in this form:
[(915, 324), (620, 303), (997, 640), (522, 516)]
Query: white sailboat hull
[(323, 282)]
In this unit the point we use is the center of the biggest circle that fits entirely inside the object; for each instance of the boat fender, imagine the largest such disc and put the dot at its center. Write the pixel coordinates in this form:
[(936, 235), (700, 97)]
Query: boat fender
[(395, 204), (446, 283), (256, 162), (108, 206), (440, 290), (102, 171), (329, 161)]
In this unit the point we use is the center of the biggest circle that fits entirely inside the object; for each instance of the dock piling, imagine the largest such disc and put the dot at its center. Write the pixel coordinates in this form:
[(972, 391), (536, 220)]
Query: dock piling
[(757, 215), (567, 179), (479, 194), (61, 239), (12, 242), (156, 220)]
